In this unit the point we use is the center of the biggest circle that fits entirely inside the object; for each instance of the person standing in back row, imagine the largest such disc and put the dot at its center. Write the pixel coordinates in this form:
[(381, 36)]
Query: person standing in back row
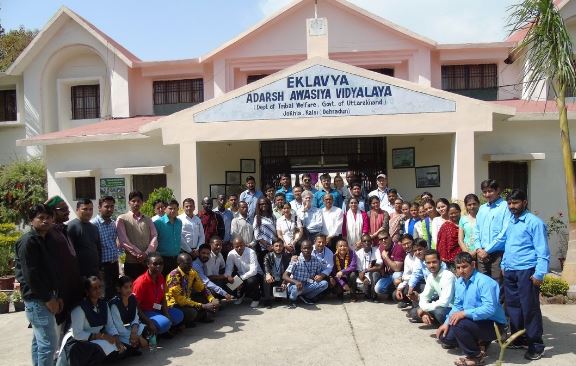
[(86, 239)]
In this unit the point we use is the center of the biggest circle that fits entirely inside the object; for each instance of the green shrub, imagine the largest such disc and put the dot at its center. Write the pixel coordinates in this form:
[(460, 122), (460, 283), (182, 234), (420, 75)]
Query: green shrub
[(7, 229), (8, 237), (4, 298), (553, 286), (16, 296), (165, 194)]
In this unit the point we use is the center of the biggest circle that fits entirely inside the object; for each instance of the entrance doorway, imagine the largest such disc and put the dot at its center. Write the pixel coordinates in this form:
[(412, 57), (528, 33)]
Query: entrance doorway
[(366, 156)]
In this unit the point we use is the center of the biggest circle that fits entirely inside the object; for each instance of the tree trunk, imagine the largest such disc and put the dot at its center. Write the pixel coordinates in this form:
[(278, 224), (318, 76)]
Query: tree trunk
[(569, 272)]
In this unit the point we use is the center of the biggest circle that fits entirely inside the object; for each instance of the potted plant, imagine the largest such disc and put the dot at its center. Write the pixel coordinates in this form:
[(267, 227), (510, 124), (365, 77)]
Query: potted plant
[(4, 302), (558, 227), (17, 300), (8, 237)]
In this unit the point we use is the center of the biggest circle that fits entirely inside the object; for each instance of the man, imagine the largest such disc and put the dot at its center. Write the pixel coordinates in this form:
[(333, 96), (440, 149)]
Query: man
[(307, 183), (241, 225), (369, 264), (286, 187), (275, 263), (201, 266), (192, 230), (337, 199), (159, 208), (150, 291), (382, 193), (137, 235), (351, 177), (216, 265), (438, 294), (70, 286), (491, 221), (305, 278), (297, 202), (247, 268), (410, 264), (85, 238), (233, 204), (470, 323), (186, 291), (169, 229), (420, 272), (332, 220), (226, 217), (525, 262), (208, 218), (109, 249), (355, 192), (251, 196), (311, 217), (392, 264), (279, 201), (36, 273), (324, 254)]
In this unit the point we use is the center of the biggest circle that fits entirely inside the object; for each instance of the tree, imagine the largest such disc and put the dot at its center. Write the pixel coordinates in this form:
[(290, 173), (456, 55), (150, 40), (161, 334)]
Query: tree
[(548, 52), (13, 43)]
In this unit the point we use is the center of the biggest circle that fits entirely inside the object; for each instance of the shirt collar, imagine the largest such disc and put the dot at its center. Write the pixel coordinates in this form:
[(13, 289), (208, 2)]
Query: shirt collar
[(522, 217), (495, 203), (102, 221)]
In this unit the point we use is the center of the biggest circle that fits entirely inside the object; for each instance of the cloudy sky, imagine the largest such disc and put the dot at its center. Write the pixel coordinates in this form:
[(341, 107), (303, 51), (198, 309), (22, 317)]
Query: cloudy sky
[(190, 28)]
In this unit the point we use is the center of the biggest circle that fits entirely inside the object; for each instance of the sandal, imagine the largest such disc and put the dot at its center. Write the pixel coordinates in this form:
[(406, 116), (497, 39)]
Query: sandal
[(471, 361)]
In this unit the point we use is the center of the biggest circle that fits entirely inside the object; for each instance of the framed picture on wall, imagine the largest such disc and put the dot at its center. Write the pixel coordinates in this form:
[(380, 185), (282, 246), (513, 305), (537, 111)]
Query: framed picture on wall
[(217, 189), (233, 178), (403, 158), (428, 176), (248, 165)]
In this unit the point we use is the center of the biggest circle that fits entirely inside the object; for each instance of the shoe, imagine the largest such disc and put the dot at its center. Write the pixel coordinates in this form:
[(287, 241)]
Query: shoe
[(515, 345), (306, 300), (238, 301), (292, 305), (447, 346), (533, 355), (403, 305), (415, 320), (254, 304)]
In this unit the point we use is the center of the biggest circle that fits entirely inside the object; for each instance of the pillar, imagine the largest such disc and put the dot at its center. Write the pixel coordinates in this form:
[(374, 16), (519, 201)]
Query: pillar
[(463, 166), (188, 171)]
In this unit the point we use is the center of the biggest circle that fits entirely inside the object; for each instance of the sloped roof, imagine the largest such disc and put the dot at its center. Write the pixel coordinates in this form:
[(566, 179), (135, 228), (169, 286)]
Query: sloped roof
[(296, 3), (112, 129), (521, 33), (53, 24)]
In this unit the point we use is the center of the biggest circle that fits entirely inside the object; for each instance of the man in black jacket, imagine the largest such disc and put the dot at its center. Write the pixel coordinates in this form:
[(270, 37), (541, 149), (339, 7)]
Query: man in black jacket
[(85, 237), (275, 263), (38, 284)]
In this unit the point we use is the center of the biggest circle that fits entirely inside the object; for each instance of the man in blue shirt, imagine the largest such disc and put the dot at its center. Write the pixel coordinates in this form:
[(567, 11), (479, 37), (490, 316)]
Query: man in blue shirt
[(526, 260), (470, 323), (325, 179), (169, 228), (251, 196), (286, 187), (491, 222), (108, 248)]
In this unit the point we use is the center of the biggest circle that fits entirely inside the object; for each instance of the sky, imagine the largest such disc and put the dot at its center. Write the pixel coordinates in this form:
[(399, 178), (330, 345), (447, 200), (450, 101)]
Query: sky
[(179, 29)]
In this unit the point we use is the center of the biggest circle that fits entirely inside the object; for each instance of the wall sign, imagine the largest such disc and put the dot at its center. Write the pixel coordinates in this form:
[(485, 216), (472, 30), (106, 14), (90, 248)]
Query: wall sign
[(115, 187), (321, 91)]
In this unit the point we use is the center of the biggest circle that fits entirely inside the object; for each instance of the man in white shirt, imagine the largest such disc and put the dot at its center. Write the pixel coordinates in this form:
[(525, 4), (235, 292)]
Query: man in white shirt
[(233, 204), (247, 268), (410, 264), (297, 202), (332, 218), (192, 230), (382, 193), (201, 267), (323, 253), (368, 264), (241, 226), (310, 216), (436, 299)]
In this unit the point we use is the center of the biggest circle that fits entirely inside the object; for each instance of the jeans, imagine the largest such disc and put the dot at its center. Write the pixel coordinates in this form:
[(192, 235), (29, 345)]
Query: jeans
[(45, 336), (111, 272), (385, 285), (310, 290), (468, 335), (161, 322)]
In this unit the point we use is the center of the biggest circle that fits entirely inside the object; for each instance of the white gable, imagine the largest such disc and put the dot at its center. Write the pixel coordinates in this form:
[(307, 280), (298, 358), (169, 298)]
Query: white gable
[(322, 91)]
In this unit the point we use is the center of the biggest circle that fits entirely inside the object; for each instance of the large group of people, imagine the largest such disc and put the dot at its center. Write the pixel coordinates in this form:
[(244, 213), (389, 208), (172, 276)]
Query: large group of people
[(290, 246)]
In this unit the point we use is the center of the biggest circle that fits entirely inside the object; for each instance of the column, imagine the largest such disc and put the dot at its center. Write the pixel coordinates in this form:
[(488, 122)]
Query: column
[(463, 168), (188, 171)]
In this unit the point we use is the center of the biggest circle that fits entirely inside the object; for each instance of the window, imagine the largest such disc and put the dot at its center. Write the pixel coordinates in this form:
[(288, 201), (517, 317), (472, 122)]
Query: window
[(178, 91), (85, 101), (84, 187), (252, 78), (476, 81), (384, 71), (7, 105), (148, 183), (509, 174)]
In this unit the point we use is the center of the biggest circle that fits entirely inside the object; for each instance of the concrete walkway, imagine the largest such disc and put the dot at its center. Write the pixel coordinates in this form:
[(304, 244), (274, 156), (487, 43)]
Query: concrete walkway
[(331, 333)]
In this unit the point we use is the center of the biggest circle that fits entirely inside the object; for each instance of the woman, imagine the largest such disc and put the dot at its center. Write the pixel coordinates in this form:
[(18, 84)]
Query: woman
[(92, 336), (438, 221), (396, 220), (379, 219), (264, 229), (289, 229), (467, 224), (355, 224), (430, 207), (339, 185), (447, 245), (343, 277), (124, 311)]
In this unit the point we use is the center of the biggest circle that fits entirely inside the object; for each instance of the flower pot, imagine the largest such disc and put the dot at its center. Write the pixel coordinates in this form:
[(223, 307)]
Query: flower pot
[(4, 307), (7, 283), (19, 306)]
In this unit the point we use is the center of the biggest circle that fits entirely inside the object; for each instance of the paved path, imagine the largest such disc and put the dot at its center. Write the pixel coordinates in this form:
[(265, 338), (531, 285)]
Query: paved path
[(328, 334)]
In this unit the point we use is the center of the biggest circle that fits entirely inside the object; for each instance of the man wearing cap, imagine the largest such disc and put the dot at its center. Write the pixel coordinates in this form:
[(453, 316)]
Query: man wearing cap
[(382, 193)]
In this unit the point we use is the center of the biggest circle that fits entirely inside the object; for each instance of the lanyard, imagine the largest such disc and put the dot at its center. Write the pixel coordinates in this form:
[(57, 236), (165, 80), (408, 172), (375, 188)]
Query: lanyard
[(277, 264), (367, 259)]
